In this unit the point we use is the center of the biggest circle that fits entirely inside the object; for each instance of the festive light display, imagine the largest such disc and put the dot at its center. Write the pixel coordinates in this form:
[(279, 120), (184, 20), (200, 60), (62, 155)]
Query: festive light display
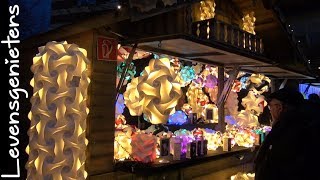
[(252, 102), (214, 109), (144, 147), (257, 79), (186, 137), (211, 81), (178, 118), (186, 108), (57, 134)]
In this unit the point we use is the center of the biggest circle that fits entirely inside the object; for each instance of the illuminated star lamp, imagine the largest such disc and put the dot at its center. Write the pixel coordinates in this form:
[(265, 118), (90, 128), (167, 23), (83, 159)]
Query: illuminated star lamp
[(186, 136), (57, 134), (156, 93)]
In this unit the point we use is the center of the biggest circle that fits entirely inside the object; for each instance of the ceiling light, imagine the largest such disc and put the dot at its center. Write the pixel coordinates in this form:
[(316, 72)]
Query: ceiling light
[(119, 6)]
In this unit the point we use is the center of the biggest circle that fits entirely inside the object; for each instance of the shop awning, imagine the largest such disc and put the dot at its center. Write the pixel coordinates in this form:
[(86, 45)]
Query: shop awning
[(191, 48)]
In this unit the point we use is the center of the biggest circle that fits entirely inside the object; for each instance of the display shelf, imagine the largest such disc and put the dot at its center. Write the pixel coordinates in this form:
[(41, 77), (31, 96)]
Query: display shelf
[(150, 168)]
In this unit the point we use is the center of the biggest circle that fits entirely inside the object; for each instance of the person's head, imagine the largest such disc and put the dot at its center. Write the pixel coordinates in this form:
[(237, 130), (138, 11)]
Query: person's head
[(282, 101), (314, 97)]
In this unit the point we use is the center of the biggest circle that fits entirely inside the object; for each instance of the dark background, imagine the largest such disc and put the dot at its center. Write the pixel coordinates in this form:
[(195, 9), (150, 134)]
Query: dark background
[(8, 165)]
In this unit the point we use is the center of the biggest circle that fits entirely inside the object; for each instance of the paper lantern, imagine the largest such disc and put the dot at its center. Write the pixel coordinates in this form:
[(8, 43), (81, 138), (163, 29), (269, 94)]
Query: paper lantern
[(122, 145), (257, 79), (178, 118), (159, 90), (248, 22), (57, 134), (197, 99), (144, 147), (244, 138), (251, 102), (132, 98), (247, 119), (211, 81), (214, 140), (207, 8)]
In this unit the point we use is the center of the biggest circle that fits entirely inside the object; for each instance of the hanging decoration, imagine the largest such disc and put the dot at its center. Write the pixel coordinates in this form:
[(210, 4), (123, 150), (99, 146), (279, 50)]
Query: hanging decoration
[(57, 134), (175, 63), (186, 108), (207, 9), (156, 93), (248, 22)]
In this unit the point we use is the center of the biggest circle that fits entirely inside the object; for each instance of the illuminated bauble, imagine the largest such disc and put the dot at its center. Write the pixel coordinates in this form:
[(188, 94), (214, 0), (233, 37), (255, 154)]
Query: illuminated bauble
[(211, 81), (132, 98), (178, 118), (119, 105), (187, 73)]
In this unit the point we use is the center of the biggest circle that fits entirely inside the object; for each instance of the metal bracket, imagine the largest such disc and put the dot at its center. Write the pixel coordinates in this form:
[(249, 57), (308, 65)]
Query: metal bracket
[(125, 70), (228, 85)]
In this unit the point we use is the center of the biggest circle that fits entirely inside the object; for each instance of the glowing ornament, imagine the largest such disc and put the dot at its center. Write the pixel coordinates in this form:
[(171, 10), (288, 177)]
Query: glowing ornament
[(247, 119), (214, 140), (119, 105), (244, 138), (187, 73), (244, 82), (186, 137), (159, 90), (122, 145), (207, 8), (144, 147), (211, 81), (257, 79), (178, 118), (248, 22), (57, 134), (251, 102), (132, 98), (130, 72)]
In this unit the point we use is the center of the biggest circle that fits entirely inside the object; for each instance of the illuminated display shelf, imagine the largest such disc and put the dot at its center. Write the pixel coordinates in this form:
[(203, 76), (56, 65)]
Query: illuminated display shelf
[(237, 154)]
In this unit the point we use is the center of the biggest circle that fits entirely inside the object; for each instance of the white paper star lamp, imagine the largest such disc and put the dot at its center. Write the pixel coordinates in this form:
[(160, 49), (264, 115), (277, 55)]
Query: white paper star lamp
[(159, 90), (57, 137)]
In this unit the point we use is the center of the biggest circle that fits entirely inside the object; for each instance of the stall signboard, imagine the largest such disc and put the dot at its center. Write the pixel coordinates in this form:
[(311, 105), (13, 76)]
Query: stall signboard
[(107, 48)]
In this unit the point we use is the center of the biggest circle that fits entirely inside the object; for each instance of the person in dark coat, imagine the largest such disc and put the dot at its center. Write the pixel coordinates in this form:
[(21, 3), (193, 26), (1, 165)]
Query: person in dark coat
[(286, 152)]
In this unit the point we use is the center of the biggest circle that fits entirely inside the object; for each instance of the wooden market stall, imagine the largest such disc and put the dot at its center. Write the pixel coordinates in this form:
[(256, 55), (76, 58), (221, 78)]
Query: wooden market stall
[(179, 32)]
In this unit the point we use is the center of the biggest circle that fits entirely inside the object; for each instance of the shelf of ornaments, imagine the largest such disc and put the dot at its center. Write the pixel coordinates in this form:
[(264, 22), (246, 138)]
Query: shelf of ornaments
[(237, 154)]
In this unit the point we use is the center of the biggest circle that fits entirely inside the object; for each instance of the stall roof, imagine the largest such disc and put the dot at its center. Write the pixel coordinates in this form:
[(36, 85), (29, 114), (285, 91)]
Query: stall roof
[(191, 48)]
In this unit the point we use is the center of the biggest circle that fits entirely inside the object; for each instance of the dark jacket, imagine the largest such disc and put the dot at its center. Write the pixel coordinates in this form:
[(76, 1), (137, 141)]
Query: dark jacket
[(288, 150)]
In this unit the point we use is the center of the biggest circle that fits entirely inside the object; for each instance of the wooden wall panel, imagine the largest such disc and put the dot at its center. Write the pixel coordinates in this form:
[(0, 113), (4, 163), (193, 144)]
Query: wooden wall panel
[(100, 132)]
